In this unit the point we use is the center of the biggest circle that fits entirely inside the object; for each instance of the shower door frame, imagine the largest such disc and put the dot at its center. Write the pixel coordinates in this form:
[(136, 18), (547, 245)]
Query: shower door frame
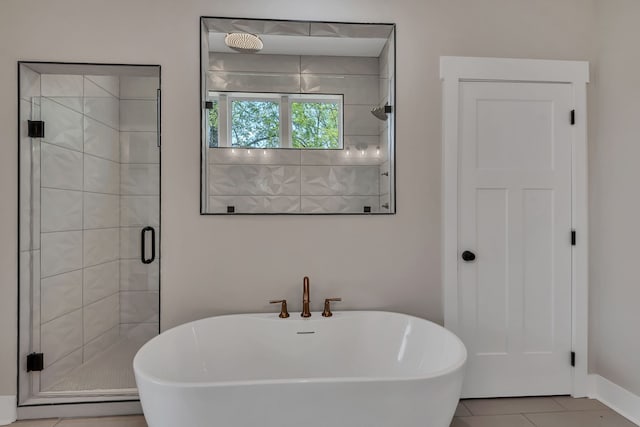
[(65, 404)]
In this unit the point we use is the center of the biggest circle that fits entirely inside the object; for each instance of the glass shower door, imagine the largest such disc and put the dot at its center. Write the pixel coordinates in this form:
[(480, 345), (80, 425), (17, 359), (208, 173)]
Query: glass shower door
[(90, 228)]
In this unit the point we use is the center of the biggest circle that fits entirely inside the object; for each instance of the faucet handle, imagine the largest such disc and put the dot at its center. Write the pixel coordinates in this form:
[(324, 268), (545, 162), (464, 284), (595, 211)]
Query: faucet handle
[(283, 309), (327, 306)]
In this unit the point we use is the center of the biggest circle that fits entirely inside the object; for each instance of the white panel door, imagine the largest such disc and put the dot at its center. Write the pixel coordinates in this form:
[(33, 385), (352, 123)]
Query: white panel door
[(515, 217)]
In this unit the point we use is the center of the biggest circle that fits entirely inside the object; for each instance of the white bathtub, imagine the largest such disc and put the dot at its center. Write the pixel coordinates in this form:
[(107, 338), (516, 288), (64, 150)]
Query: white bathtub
[(369, 369)]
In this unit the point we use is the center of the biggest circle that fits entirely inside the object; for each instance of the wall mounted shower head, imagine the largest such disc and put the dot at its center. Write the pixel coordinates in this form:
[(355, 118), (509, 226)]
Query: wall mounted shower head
[(244, 42), (381, 113)]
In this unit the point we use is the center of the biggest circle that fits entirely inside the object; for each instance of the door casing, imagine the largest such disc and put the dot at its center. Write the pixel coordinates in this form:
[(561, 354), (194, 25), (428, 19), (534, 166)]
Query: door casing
[(454, 70)]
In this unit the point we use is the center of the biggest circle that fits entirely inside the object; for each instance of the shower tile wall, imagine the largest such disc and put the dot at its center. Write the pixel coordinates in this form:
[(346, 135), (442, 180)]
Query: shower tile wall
[(300, 180), (79, 194), (386, 87), (139, 205)]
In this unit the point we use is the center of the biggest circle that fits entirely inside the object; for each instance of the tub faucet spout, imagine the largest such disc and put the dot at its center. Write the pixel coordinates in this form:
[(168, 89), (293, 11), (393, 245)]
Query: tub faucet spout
[(305, 298)]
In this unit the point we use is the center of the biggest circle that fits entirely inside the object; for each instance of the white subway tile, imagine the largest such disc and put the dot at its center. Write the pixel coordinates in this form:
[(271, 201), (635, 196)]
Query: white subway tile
[(61, 168), (29, 83), (101, 176), (63, 126), (139, 307), (136, 276), (61, 210), (139, 210), (334, 29), (100, 317), (61, 336), (340, 180), (234, 62), (97, 85), (101, 210), (57, 371), (101, 140), (139, 87), (356, 89), (61, 252), (139, 147), (100, 246), (255, 204), (61, 85), (103, 109), (253, 82), (236, 156), (141, 332), (70, 103), (61, 294), (339, 65), (100, 281), (254, 180), (358, 120), (140, 179), (339, 204), (138, 115), (101, 343)]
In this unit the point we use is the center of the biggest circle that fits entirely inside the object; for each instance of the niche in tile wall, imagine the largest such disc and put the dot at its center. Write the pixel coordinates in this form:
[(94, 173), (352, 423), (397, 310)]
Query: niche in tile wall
[(299, 127)]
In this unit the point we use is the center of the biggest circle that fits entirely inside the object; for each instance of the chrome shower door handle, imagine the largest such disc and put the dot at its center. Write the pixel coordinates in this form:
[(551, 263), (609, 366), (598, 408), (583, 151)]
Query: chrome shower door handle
[(143, 245)]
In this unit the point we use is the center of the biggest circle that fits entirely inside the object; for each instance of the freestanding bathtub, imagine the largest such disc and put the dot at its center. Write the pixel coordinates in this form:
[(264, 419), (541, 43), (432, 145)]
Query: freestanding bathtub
[(355, 369)]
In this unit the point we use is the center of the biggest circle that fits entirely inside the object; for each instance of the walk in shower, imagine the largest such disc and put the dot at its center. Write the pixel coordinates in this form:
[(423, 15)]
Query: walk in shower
[(89, 228)]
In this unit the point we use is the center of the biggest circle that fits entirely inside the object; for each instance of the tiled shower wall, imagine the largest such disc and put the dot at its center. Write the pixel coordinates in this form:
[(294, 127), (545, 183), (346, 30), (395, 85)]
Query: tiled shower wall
[(79, 196), (386, 94), (139, 205), (300, 180), (87, 188)]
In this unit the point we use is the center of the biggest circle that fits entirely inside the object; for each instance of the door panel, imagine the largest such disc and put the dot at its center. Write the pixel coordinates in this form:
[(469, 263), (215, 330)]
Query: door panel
[(515, 214)]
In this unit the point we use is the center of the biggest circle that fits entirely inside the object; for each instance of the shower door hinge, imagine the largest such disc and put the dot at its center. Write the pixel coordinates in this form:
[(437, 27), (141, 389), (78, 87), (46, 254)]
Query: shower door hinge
[(208, 105), (573, 237), (573, 117), (35, 362), (35, 129), (573, 358)]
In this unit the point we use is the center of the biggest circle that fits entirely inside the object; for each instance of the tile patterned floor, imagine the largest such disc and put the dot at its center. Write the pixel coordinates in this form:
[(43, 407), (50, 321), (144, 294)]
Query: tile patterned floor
[(514, 412)]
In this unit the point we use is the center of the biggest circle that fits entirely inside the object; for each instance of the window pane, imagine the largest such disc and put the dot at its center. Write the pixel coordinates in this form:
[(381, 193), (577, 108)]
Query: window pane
[(212, 135), (255, 124), (315, 125)]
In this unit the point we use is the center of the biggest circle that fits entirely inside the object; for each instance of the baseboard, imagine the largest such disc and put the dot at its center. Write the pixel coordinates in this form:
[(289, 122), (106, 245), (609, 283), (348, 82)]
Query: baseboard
[(615, 397), (8, 410)]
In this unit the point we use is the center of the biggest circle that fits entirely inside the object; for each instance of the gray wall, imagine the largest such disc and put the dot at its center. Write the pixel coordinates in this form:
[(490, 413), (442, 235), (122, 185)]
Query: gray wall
[(615, 199), (390, 263)]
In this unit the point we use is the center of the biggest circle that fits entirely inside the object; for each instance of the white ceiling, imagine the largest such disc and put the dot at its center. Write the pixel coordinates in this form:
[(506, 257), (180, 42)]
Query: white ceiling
[(308, 45)]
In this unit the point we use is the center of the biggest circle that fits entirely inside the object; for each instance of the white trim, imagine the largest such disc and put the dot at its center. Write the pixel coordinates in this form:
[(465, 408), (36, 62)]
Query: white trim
[(456, 69), (101, 409), (8, 410), (615, 397)]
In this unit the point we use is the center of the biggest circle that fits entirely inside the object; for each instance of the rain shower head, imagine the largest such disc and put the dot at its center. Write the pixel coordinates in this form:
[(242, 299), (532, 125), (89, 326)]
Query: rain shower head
[(244, 42), (382, 112)]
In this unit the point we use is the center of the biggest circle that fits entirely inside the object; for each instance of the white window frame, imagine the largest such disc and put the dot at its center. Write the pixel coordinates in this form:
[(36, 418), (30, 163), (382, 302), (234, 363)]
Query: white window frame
[(284, 100)]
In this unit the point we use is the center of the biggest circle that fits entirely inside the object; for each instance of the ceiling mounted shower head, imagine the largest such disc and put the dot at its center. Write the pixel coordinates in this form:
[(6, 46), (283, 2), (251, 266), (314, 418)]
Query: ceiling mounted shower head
[(382, 112), (244, 42)]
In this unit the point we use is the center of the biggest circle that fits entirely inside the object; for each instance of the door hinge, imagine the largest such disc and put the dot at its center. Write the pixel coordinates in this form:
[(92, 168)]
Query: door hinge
[(35, 362), (573, 358), (35, 129), (573, 237), (573, 117), (208, 105)]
